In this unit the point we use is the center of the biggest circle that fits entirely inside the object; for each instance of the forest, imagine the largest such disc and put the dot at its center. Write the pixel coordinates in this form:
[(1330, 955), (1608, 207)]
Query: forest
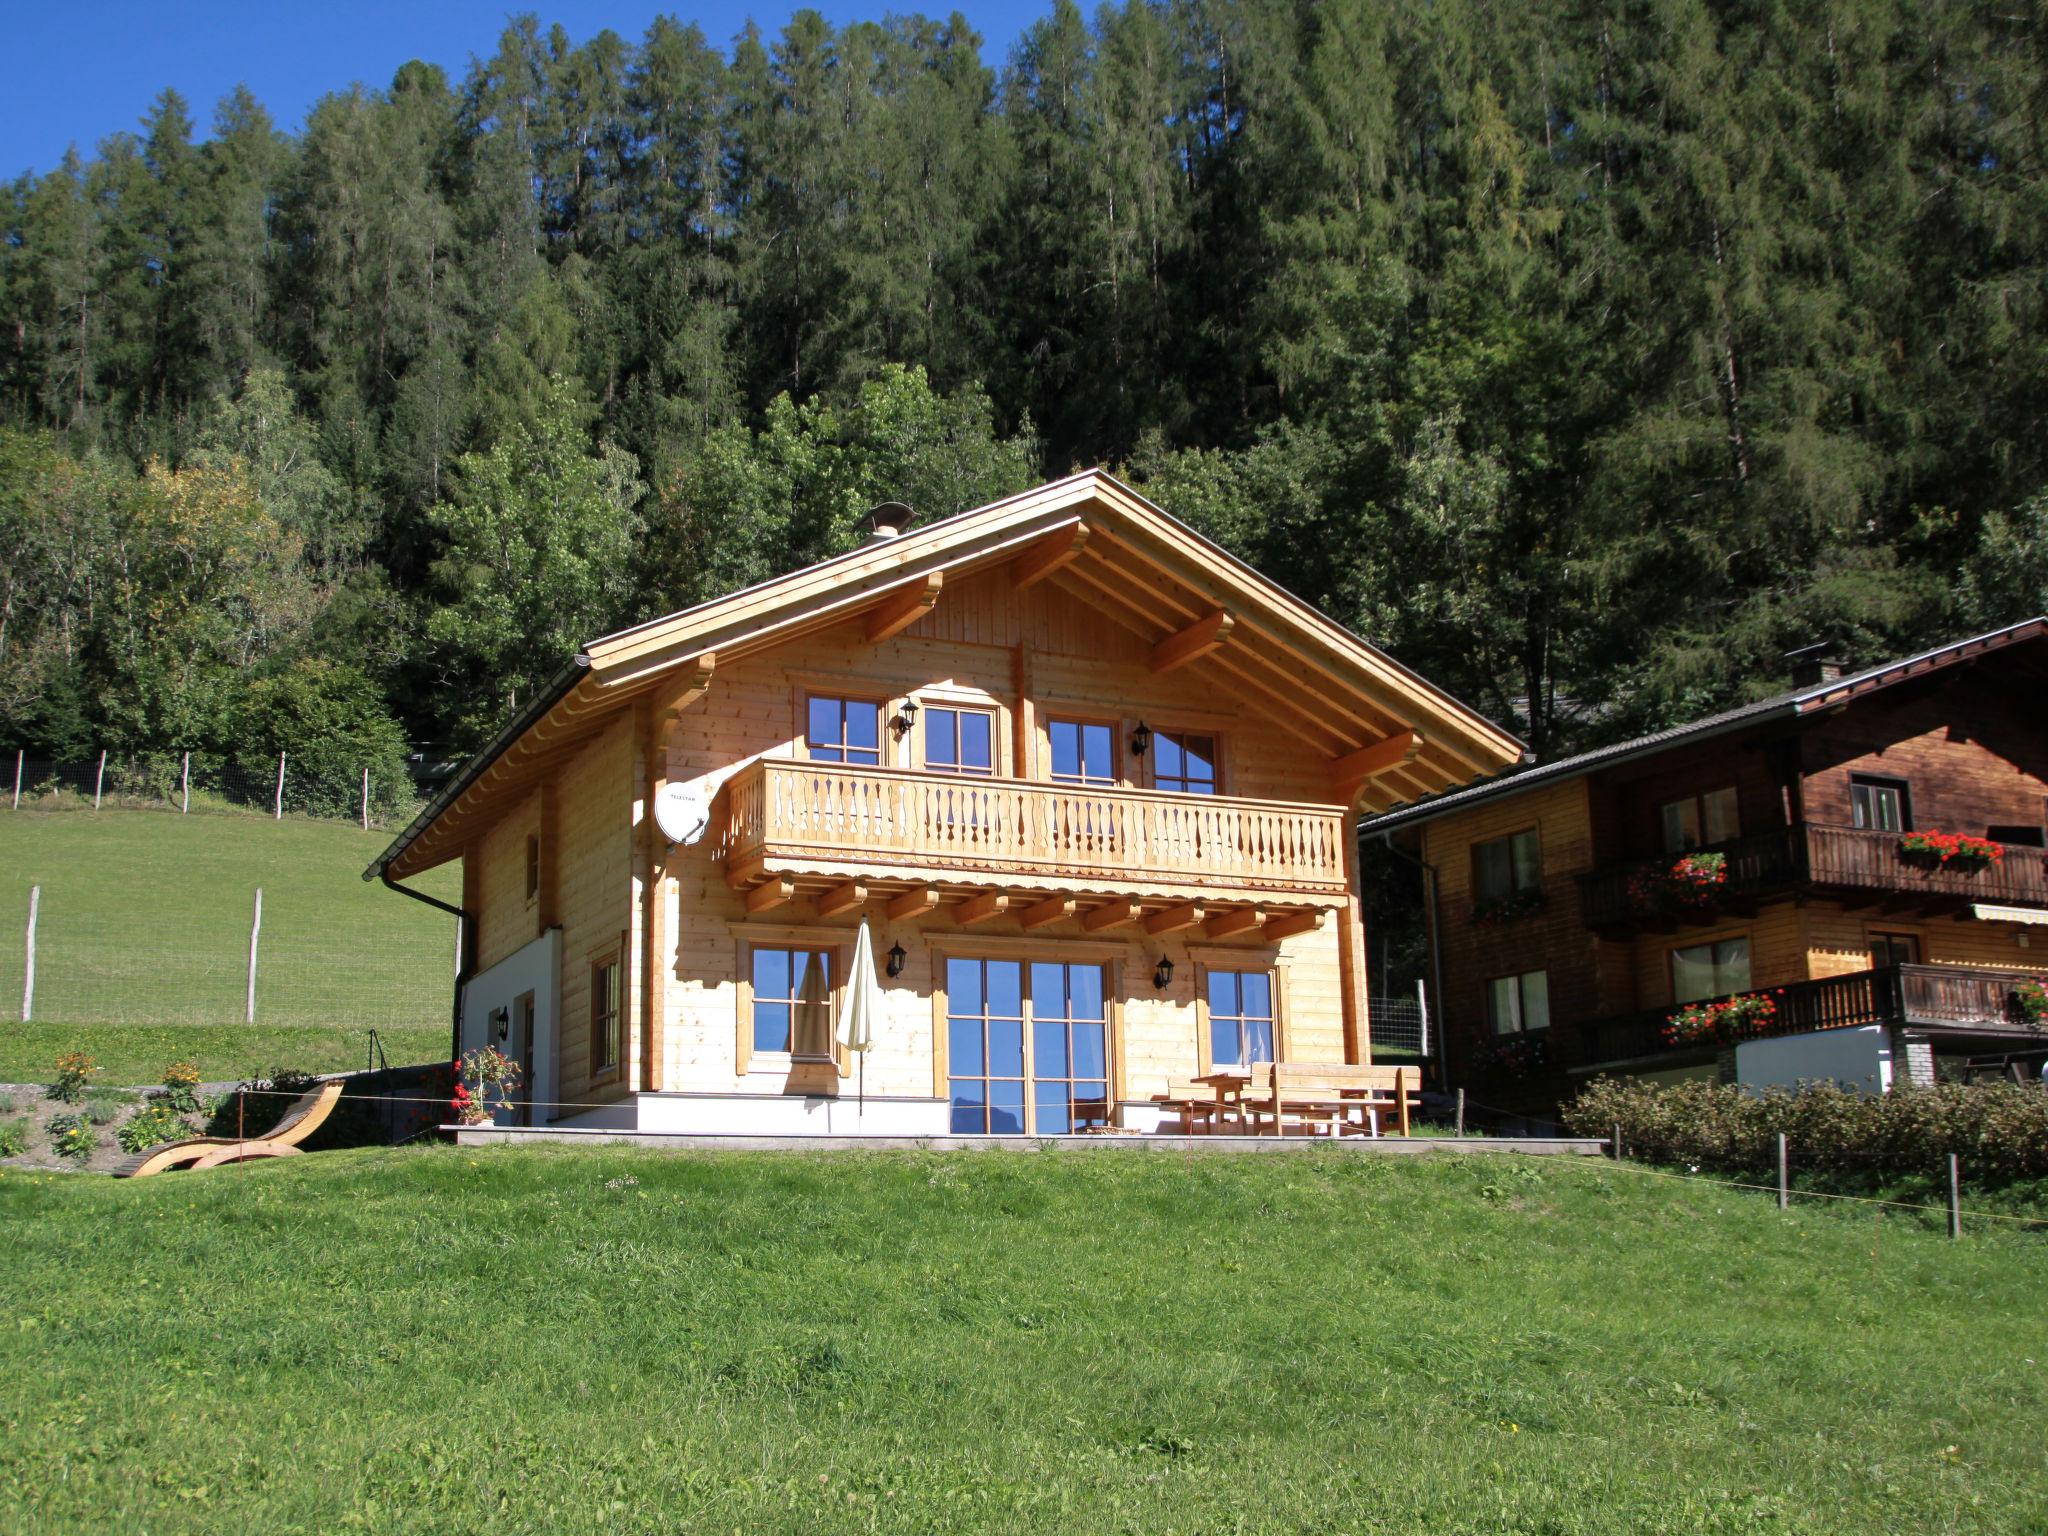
[(1586, 357)]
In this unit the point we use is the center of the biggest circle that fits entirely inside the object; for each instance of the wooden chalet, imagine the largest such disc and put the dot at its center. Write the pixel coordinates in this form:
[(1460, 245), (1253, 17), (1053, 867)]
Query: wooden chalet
[(1094, 783), (1779, 850)]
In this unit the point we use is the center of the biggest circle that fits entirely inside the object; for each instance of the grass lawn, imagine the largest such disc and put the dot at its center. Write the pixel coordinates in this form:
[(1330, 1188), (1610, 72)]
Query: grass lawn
[(143, 944), (592, 1339)]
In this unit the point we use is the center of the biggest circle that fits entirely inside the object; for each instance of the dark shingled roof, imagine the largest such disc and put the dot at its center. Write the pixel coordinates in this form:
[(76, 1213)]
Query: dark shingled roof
[(1783, 706)]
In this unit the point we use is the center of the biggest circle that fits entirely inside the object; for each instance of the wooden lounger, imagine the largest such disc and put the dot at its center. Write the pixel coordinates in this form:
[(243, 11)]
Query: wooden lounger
[(307, 1114)]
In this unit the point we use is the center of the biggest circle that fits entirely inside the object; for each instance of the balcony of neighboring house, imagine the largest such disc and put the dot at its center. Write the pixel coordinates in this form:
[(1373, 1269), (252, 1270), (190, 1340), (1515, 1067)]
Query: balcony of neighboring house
[(1962, 1007), (1042, 851), (1858, 865)]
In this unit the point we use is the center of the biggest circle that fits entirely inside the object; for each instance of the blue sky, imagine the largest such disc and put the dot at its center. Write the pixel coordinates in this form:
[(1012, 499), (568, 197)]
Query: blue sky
[(81, 71)]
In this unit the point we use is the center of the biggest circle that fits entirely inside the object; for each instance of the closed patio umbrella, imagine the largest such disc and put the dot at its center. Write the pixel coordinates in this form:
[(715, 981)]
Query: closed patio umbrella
[(862, 1007)]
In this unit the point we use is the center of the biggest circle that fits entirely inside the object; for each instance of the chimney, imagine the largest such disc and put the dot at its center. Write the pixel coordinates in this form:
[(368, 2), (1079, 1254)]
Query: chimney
[(1813, 665), (889, 519)]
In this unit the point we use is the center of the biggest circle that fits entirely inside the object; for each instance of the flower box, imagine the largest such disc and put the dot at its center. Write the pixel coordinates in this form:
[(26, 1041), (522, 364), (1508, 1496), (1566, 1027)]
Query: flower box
[(1950, 850), (1506, 909), (1751, 1016), (1688, 883)]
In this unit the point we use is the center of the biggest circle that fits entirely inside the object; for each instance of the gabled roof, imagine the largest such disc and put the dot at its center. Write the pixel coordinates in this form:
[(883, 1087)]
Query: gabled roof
[(1385, 731), (1791, 705)]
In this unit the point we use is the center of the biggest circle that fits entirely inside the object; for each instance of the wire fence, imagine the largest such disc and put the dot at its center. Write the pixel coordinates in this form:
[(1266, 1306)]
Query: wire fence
[(315, 783), (1400, 1024)]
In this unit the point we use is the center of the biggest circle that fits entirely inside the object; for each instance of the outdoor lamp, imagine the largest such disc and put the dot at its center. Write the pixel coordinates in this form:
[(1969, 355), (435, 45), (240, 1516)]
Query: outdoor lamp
[(906, 717), (502, 1017), (896, 959), (1162, 974), (1141, 738)]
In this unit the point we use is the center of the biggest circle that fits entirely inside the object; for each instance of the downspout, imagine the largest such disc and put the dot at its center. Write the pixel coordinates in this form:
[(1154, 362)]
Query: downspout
[(466, 933), (1436, 952)]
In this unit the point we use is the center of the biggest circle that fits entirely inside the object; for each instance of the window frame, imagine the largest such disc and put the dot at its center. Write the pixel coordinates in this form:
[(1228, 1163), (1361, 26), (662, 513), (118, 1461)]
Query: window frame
[(792, 1055), (1893, 936), (839, 943), (1266, 958), (1696, 807), (989, 710), (1179, 734), (1879, 782), (1114, 958), (1521, 980), (808, 693), (1515, 888), (1084, 721), (611, 954), (1671, 966)]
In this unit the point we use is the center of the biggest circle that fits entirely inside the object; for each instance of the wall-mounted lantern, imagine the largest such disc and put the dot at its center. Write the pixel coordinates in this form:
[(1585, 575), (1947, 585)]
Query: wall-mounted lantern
[(906, 717), (896, 959), (1141, 738), (1162, 974)]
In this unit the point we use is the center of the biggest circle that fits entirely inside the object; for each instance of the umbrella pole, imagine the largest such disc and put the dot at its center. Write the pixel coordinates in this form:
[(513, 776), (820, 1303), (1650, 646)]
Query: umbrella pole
[(861, 1102)]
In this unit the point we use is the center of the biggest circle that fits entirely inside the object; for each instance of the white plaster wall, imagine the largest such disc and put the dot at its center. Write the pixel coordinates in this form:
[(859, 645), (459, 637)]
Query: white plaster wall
[(1855, 1058), (535, 968), (736, 1114)]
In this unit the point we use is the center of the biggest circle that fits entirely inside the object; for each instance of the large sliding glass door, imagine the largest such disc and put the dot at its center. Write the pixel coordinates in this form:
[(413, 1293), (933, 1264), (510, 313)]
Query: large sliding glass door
[(1028, 1047)]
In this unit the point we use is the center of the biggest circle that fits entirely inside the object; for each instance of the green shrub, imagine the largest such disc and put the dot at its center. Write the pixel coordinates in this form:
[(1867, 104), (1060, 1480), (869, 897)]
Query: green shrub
[(103, 1106), (157, 1123), (6, 1103), (13, 1138), (181, 1087), (2000, 1130), (75, 1070), (71, 1136)]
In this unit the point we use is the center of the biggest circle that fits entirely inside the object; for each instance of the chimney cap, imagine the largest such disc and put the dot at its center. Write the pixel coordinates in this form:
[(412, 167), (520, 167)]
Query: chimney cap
[(890, 519), (1816, 663)]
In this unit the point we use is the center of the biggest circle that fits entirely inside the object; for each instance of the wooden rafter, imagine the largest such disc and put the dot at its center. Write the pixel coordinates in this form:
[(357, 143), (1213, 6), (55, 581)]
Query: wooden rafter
[(1197, 640), (1061, 547), (842, 898), (767, 897), (915, 902), (1115, 914), (980, 909), (1226, 925), (1354, 770), (1288, 924), (1051, 910), (1174, 919), (904, 607)]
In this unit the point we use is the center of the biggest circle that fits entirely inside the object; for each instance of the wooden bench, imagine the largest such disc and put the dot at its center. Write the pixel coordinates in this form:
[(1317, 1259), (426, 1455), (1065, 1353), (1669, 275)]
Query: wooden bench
[(1337, 1098), (1217, 1099), (308, 1112)]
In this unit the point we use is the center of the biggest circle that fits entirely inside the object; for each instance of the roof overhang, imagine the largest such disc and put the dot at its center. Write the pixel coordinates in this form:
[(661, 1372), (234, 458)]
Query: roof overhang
[(1388, 736)]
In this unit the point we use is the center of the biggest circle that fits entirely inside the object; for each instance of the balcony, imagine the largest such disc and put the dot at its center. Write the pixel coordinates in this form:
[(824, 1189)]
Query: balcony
[(1861, 866), (1940, 999), (821, 823)]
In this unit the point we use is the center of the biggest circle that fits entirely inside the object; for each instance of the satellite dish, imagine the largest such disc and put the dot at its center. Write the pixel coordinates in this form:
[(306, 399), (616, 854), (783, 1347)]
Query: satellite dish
[(683, 811)]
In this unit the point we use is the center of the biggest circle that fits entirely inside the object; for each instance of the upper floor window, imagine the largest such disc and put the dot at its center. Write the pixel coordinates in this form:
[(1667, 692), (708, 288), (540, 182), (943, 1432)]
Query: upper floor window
[(1183, 763), (959, 740), (1240, 1017), (1894, 949), (1701, 820), (532, 866), (792, 1001), (843, 730), (1515, 1004), (1881, 805), (1710, 970), (1082, 752), (1507, 866)]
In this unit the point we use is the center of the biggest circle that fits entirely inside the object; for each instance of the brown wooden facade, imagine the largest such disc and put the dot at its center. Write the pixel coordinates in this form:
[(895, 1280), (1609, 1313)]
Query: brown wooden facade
[(1809, 900), (1076, 608)]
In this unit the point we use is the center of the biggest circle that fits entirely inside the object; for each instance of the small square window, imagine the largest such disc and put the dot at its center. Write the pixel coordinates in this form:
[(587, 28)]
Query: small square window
[(1880, 805), (1517, 1004), (1184, 764), (1507, 866), (843, 730), (959, 740), (1082, 752)]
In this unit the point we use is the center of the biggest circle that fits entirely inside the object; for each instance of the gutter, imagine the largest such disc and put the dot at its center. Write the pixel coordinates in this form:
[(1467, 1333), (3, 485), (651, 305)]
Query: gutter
[(465, 934)]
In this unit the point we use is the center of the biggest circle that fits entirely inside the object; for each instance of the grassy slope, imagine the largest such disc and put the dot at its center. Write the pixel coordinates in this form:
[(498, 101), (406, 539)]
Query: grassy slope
[(143, 944), (571, 1340)]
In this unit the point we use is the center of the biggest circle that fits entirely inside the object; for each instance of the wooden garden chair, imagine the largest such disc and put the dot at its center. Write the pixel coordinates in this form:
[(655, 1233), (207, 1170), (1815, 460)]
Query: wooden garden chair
[(308, 1112)]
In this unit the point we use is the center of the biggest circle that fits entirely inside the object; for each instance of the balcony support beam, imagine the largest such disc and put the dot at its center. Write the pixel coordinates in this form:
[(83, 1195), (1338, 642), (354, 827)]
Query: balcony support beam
[(1174, 919), (979, 909), (765, 898), (842, 898), (913, 903), (1051, 910), (1354, 770), (1227, 925), (1115, 914), (904, 607), (1193, 642), (1288, 924)]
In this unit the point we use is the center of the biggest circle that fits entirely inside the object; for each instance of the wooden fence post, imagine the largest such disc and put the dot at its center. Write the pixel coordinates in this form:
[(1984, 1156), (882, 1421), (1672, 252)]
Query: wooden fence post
[(1784, 1182), (185, 785), (280, 787), (17, 778), (100, 782), (1461, 1111), (1955, 1197), (255, 929), (1614, 1146), (366, 799), (28, 983)]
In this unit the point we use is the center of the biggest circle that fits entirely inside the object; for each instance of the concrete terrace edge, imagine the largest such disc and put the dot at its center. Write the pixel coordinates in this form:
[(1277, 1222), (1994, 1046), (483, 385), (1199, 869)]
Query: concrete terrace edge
[(685, 1141)]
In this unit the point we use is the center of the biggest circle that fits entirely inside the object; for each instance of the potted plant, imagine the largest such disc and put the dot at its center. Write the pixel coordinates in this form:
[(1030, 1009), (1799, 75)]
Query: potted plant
[(2030, 1001), (484, 1080), (1936, 850), (1723, 1021), (1691, 881)]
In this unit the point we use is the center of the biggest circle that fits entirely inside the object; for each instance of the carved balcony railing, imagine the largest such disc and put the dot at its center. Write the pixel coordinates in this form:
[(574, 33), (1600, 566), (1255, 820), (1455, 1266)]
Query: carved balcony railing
[(787, 817), (1814, 856)]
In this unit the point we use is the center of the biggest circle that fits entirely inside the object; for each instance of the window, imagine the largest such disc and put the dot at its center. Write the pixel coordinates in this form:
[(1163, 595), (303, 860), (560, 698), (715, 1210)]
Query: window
[(1082, 753), (1184, 764), (1701, 820), (532, 866), (606, 1017), (1710, 970), (2015, 836), (1240, 1017), (1507, 866), (843, 730), (1881, 805), (959, 740), (792, 1001), (1894, 949), (1517, 1004), (1027, 1047)]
